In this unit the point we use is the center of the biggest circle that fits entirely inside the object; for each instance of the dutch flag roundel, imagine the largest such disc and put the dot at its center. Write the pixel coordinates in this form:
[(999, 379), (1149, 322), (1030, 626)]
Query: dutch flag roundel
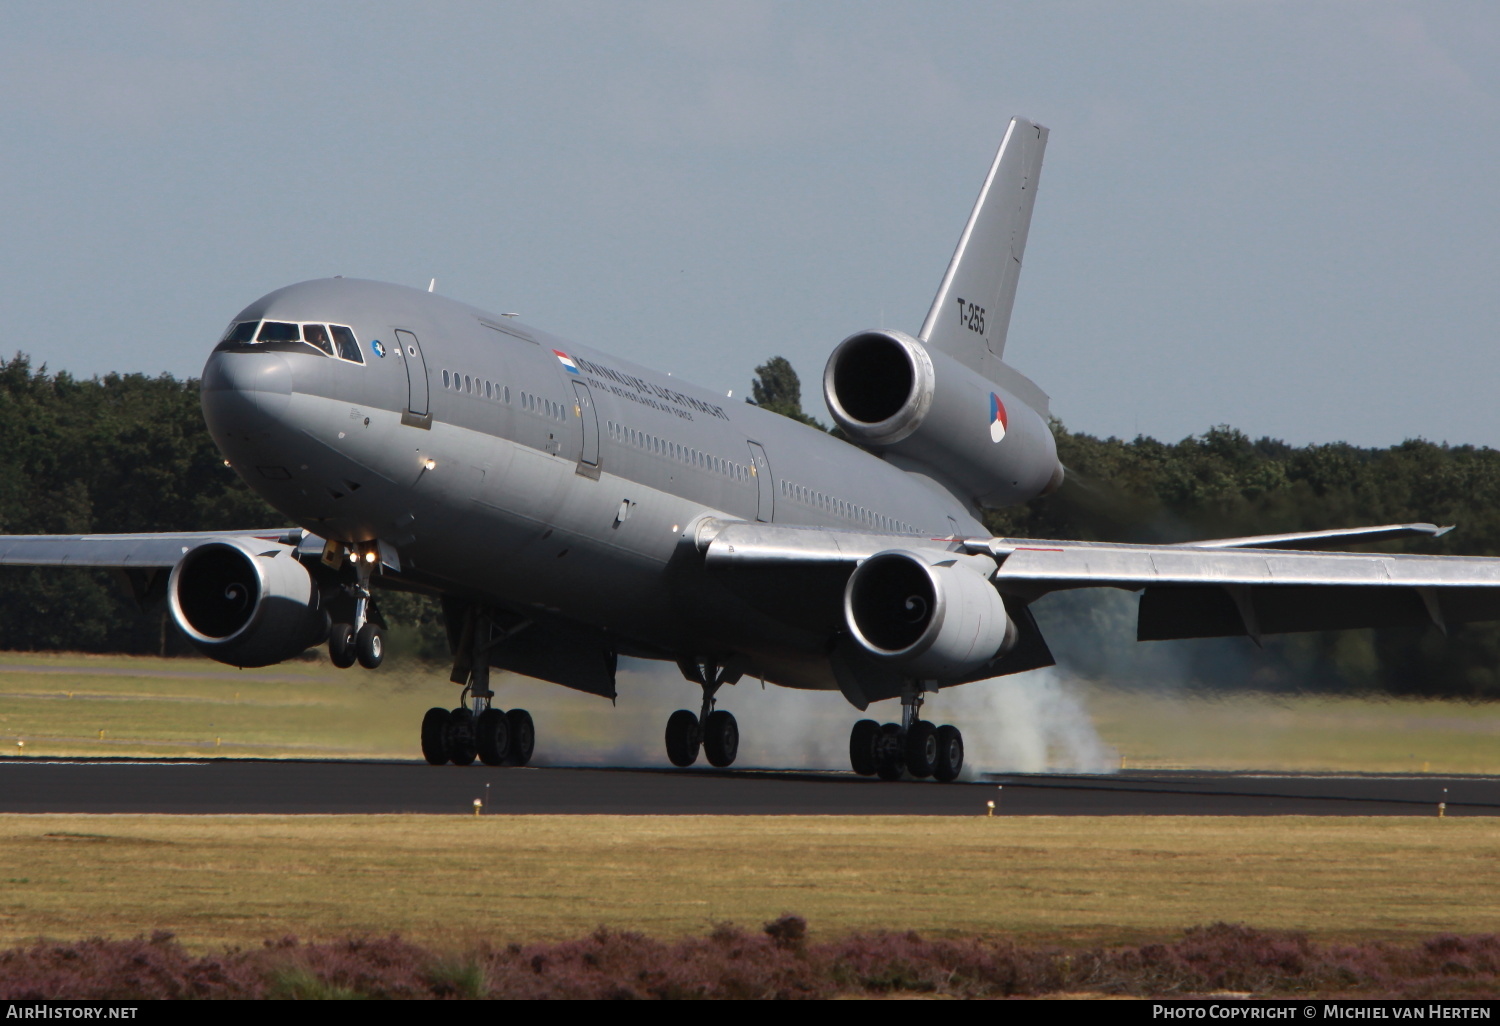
[(998, 419)]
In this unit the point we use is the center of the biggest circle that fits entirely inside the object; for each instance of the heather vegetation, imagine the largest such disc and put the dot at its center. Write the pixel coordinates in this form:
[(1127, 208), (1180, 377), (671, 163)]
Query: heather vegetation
[(780, 961), (130, 453)]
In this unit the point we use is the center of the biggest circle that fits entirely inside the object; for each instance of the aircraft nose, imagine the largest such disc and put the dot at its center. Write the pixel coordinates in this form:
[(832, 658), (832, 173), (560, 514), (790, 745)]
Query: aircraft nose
[(244, 393)]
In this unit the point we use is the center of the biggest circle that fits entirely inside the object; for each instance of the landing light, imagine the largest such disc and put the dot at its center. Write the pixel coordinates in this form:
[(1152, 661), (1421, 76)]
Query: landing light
[(370, 556), (429, 464)]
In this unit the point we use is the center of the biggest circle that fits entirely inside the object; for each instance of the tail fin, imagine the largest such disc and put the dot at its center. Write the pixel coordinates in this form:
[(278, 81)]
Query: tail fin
[(971, 314)]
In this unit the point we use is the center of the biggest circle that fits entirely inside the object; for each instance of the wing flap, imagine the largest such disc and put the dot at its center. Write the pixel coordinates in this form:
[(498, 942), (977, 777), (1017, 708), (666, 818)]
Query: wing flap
[(1323, 539)]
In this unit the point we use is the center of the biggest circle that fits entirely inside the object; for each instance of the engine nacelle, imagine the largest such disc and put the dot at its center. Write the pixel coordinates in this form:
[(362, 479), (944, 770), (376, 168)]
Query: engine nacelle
[(246, 602), (938, 621), (890, 393)]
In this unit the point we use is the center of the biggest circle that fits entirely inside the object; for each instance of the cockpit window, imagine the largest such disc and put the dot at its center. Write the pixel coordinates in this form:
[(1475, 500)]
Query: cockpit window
[(279, 331), (335, 340), (317, 335), (348, 348), (242, 332)]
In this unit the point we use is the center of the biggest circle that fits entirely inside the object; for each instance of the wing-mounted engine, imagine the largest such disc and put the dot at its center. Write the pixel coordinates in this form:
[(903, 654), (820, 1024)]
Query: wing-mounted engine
[(935, 618), (892, 394), (246, 602)]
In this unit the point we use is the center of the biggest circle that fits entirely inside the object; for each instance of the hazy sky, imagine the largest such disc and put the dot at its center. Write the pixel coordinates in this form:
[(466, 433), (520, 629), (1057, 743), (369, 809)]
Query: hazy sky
[(1280, 216)]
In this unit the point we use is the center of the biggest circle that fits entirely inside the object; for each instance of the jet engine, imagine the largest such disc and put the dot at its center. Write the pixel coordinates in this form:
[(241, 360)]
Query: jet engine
[(940, 621), (246, 602), (890, 393)]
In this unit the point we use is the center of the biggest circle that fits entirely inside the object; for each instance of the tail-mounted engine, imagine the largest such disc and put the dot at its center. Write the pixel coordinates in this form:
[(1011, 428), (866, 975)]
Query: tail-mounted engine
[(246, 602), (940, 621), (890, 393)]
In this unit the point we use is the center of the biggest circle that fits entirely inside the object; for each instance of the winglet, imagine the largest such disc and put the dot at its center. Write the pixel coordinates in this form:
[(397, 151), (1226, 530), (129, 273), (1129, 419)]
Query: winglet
[(970, 316)]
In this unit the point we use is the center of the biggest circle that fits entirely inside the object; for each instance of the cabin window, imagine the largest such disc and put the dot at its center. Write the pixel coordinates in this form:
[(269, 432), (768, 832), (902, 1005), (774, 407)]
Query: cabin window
[(446, 382), (489, 390)]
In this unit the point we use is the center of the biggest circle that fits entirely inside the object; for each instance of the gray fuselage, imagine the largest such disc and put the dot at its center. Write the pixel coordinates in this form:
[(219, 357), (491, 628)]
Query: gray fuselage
[(522, 470)]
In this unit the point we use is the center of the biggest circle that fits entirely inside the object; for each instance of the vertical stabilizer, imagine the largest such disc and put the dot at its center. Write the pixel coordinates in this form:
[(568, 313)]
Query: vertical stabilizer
[(971, 314)]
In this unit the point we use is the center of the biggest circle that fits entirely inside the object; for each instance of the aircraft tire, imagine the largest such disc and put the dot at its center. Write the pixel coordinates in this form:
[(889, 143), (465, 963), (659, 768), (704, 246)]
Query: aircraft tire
[(492, 737), (889, 758), (369, 646), (341, 646), (950, 758), (460, 738), (721, 738), (682, 738), (921, 749), (435, 736), (522, 736), (862, 742)]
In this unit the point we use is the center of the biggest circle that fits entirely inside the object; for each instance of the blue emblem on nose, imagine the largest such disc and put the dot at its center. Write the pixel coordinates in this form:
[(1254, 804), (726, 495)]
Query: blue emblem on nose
[(379, 349)]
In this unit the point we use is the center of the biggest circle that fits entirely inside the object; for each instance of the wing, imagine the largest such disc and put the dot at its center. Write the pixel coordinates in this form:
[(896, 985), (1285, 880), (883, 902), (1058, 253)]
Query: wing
[(1245, 586), (124, 551)]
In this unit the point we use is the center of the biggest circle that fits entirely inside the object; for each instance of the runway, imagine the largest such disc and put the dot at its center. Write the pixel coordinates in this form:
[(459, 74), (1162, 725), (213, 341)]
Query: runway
[(347, 787)]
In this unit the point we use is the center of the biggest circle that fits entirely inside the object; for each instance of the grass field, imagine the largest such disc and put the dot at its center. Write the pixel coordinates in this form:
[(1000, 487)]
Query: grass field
[(59, 704), (453, 881)]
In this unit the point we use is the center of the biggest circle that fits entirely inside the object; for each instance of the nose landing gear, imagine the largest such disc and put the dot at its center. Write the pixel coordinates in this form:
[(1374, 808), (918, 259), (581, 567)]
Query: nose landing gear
[(363, 640), (915, 746), (715, 731)]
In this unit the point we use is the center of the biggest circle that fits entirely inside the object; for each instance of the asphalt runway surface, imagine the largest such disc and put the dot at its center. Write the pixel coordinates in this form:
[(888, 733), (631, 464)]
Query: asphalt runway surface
[(306, 787)]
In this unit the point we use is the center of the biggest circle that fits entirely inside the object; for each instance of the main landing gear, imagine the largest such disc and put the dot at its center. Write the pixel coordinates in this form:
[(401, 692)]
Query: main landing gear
[(494, 737), (476, 729), (363, 640), (916, 746), (715, 731)]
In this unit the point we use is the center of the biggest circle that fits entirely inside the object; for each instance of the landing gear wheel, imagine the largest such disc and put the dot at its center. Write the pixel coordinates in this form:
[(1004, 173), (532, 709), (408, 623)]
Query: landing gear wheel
[(341, 645), (682, 738), (369, 646), (434, 735), (522, 736), (921, 749), (889, 758), (492, 737), (721, 738), (460, 737), (863, 740), (950, 754)]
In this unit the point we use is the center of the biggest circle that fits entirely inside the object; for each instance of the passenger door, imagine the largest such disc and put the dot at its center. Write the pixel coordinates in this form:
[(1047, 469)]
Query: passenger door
[(417, 412), (588, 458), (760, 469)]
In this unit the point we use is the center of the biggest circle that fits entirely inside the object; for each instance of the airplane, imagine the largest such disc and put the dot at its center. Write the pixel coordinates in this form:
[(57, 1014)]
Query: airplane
[(569, 507)]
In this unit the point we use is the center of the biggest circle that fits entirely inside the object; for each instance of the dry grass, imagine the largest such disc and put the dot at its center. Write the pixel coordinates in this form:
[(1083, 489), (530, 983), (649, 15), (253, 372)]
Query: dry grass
[(1304, 732), (450, 882)]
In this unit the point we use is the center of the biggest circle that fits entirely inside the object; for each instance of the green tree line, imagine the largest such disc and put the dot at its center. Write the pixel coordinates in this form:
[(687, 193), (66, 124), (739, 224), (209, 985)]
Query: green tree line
[(130, 453)]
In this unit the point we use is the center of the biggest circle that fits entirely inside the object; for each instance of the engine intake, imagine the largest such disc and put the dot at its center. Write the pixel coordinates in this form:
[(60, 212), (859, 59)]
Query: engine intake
[(940, 620), (245, 602)]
